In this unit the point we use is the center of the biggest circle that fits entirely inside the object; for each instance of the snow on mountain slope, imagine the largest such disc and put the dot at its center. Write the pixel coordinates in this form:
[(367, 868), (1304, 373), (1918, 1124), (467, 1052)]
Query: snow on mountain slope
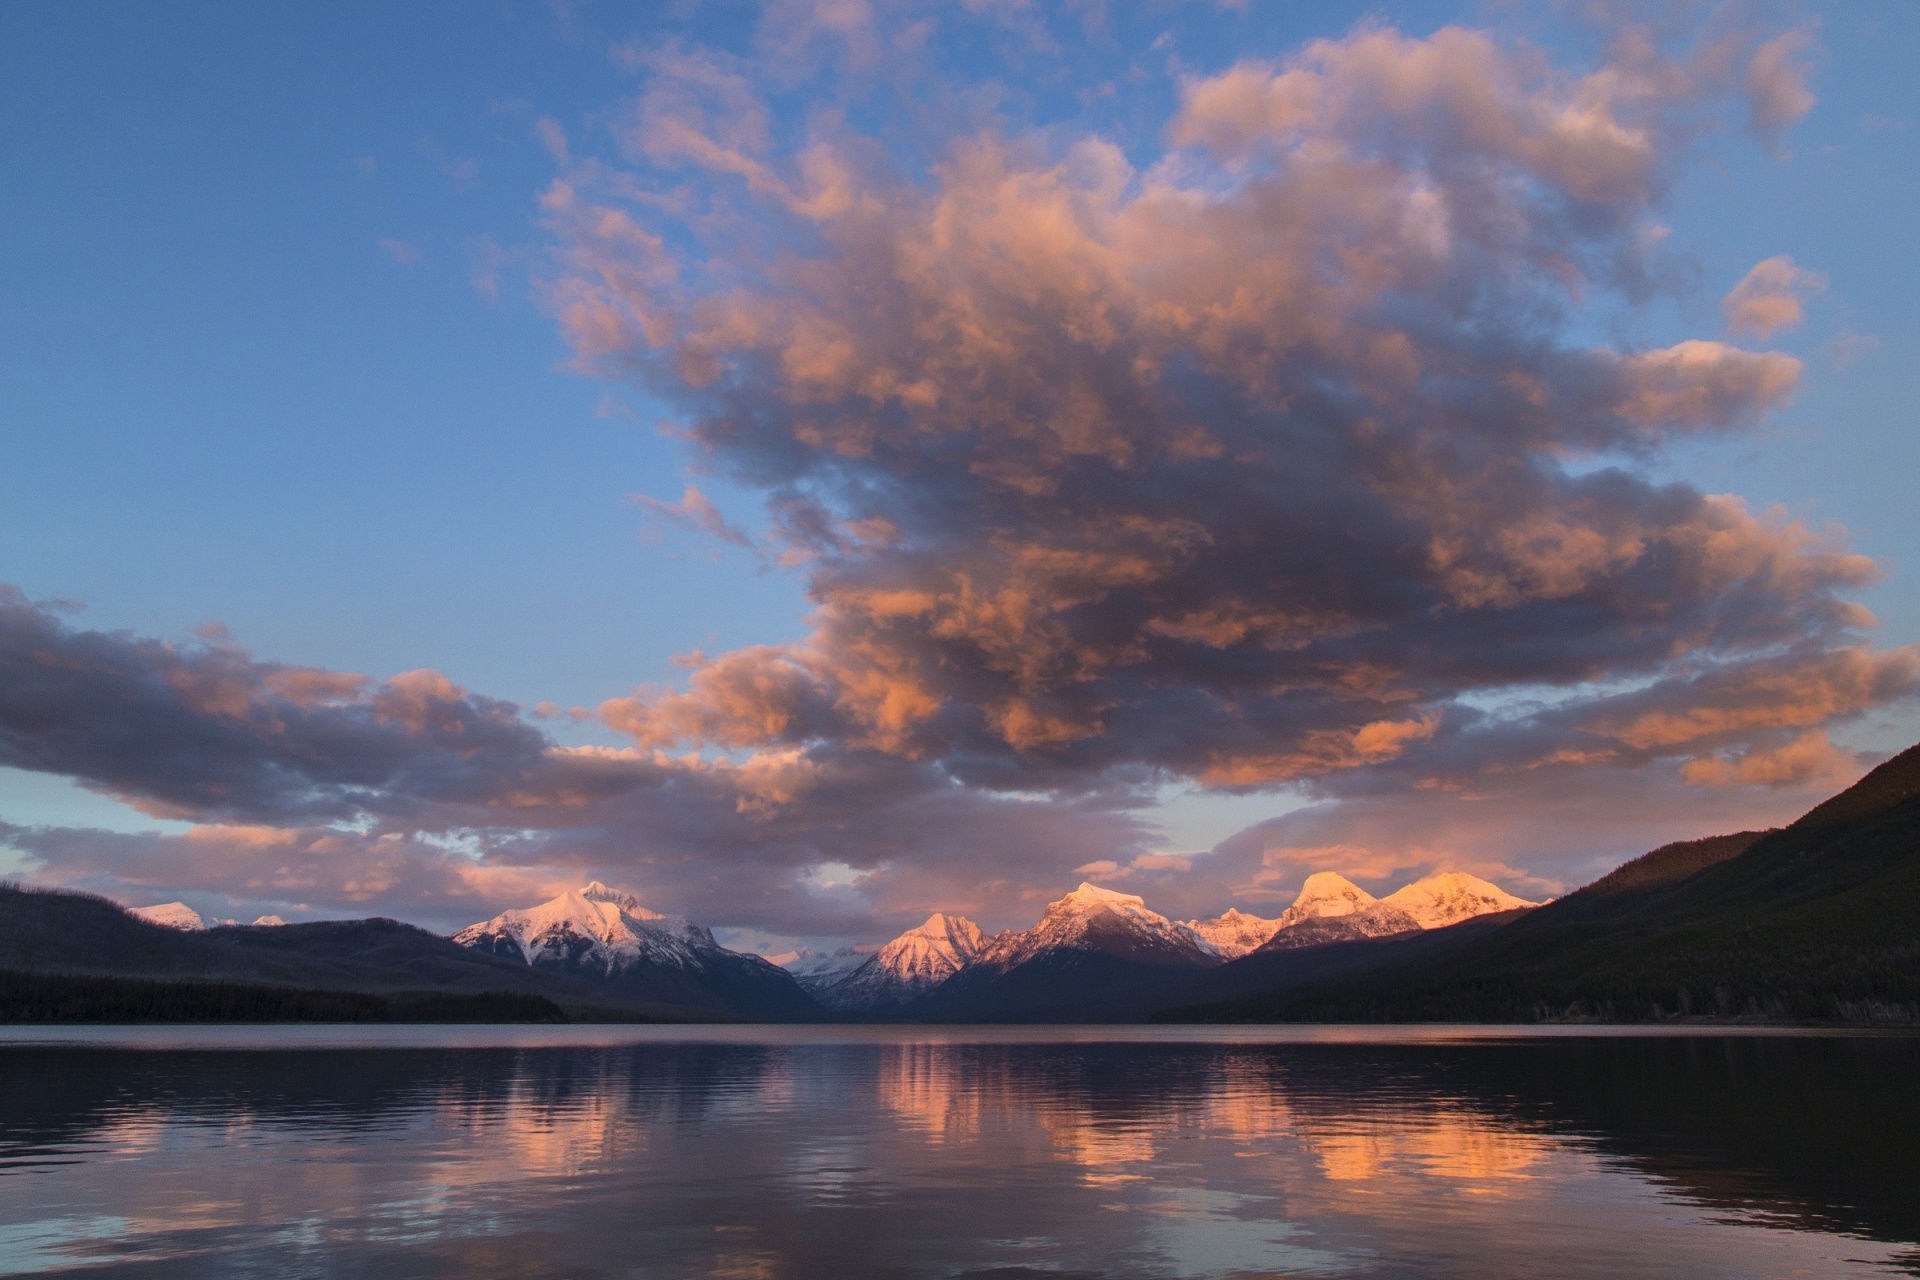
[(1095, 919), (912, 964), (171, 915), (1234, 933), (604, 934), (1326, 894), (1332, 908), (934, 951), (817, 973), (1448, 897), (596, 929)]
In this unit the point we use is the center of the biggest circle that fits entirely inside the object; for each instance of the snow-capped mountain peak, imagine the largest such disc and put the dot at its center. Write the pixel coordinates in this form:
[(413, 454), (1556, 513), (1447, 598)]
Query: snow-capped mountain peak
[(1448, 897), (594, 927), (1094, 918), (1092, 900), (1233, 933), (1332, 908), (1326, 893), (171, 915), (934, 951), (1089, 895), (594, 891), (915, 962), (605, 934)]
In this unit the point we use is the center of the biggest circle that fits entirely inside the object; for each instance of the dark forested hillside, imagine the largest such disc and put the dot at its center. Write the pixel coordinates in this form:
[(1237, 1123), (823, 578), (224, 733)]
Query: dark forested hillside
[(75, 935), (55, 998), (1818, 921)]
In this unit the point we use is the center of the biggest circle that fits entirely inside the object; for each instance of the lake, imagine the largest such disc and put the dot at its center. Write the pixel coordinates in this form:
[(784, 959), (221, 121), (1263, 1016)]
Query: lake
[(520, 1152)]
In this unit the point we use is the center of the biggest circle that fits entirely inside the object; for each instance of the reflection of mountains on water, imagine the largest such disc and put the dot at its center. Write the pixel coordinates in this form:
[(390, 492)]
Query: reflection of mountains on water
[(58, 1097), (1817, 1132), (1813, 1133)]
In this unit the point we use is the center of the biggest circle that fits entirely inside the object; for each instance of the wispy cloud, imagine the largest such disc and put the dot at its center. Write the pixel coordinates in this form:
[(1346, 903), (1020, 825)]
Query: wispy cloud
[(1768, 298), (696, 511)]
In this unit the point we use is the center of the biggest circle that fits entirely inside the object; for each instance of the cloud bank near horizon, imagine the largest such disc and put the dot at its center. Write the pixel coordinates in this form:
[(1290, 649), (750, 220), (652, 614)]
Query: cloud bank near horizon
[(1273, 460)]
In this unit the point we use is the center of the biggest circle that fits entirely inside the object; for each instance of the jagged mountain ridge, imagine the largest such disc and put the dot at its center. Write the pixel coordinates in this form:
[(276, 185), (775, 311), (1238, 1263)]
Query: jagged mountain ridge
[(593, 929), (606, 935), (1095, 952), (817, 973), (1095, 919), (1233, 933), (1095, 955), (906, 968), (1098, 952), (1332, 908)]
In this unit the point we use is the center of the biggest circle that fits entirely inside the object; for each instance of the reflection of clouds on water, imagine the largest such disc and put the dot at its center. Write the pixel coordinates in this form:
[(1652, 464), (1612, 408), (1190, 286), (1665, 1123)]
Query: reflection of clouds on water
[(1245, 1104), (922, 1087), (590, 1133), (1458, 1148), (1107, 1151), (892, 1158)]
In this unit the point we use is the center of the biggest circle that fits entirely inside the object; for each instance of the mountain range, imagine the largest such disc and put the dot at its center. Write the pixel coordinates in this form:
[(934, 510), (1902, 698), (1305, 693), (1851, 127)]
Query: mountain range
[(1095, 954), (1819, 920), (1099, 954)]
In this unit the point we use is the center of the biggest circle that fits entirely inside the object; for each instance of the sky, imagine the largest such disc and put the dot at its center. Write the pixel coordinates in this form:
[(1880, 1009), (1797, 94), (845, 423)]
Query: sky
[(818, 463)]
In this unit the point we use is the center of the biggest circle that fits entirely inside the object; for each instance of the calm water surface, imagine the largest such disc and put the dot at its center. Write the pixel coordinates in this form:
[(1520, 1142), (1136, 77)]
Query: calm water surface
[(760, 1152)]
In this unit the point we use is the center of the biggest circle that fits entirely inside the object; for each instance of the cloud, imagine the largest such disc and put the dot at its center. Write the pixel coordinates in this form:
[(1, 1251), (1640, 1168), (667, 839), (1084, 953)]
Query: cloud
[(1265, 457), (414, 796), (1808, 758), (404, 252), (1247, 466), (205, 731), (1768, 298), (1777, 93), (307, 871), (553, 136), (1266, 462), (696, 511), (1538, 833)]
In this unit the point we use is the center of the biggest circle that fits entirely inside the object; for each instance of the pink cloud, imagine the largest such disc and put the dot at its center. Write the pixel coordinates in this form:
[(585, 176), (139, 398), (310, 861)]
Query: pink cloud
[(696, 511), (1768, 298)]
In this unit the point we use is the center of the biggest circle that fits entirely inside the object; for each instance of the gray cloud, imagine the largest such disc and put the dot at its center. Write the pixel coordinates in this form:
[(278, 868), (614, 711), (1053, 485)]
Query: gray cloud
[(328, 791), (205, 731)]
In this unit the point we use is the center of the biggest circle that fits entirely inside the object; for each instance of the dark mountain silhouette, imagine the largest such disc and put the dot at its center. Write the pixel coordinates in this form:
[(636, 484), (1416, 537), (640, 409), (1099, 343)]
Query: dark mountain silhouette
[(53, 997), (77, 935)]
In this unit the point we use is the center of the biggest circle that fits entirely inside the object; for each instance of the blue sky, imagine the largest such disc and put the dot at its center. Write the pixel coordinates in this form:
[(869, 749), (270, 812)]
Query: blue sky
[(274, 353)]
